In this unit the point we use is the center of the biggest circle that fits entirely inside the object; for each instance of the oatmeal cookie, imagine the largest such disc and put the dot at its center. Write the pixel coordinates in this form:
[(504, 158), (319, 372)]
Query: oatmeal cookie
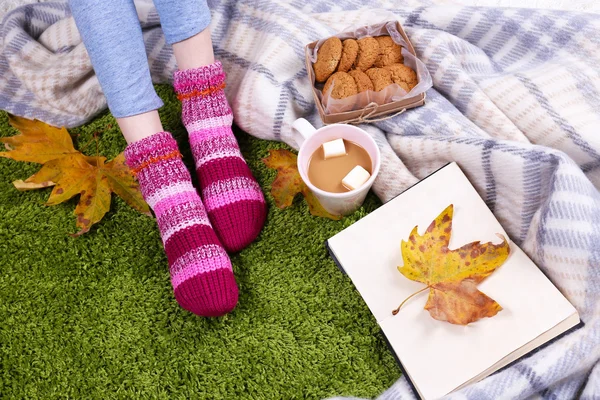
[(349, 53), (343, 85), (380, 77), (367, 53), (402, 75), (328, 57), (363, 82), (389, 52)]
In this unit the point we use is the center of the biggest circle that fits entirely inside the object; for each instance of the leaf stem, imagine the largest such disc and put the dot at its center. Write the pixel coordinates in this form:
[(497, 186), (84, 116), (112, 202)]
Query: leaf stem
[(408, 298)]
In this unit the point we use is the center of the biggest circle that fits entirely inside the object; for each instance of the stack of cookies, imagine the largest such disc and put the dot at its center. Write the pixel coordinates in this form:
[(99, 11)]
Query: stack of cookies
[(354, 66)]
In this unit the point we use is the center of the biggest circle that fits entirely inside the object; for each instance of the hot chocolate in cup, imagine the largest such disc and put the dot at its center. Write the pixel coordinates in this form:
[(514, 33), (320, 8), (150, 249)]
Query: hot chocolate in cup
[(343, 203)]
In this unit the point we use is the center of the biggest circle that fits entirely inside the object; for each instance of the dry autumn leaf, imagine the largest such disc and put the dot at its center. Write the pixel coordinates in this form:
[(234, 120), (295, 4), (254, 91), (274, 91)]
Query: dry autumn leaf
[(452, 276), (288, 183), (72, 173), (37, 142)]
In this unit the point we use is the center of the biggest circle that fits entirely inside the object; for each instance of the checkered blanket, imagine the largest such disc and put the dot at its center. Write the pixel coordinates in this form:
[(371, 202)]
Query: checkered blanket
[(516, 102)]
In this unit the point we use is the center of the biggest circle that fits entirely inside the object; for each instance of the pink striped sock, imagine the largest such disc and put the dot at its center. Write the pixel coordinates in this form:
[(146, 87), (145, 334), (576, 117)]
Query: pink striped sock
[(201, 273), (235, 204)]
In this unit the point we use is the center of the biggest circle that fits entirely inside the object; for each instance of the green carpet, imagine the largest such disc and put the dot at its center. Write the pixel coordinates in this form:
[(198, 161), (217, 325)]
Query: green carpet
[(95, 317)]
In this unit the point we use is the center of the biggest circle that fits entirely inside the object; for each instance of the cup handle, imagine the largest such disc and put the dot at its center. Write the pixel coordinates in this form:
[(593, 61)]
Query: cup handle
[(303, 127)]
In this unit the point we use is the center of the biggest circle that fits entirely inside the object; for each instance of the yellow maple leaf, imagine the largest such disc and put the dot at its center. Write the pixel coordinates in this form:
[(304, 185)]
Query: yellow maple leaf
[(452, 276), (94, 180), (72, 173), (37, 142), (288, 183)]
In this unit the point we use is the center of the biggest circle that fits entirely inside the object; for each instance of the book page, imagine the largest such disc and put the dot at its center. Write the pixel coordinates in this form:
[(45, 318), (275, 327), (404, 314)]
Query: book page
[(439, 356)]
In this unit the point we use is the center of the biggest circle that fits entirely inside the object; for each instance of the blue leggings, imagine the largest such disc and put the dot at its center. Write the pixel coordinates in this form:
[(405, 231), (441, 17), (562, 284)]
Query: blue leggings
[(112, 35)]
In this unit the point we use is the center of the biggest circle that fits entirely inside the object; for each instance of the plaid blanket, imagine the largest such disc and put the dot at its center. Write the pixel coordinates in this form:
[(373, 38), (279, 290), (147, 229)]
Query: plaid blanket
[(516, 102)]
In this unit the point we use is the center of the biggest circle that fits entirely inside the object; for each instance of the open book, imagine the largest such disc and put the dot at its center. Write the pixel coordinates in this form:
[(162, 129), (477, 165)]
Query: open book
[(436, 356)]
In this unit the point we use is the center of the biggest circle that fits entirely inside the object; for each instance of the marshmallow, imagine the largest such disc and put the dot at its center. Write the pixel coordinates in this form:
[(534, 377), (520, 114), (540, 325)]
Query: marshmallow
[(356, 178), (334, 148)]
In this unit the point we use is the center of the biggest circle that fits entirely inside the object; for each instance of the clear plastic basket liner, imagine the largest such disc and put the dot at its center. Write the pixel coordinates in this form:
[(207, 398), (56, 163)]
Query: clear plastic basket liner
[(389, 94)]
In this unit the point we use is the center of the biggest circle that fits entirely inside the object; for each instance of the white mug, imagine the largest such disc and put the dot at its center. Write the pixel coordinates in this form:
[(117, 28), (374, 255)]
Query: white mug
[(335, 203)]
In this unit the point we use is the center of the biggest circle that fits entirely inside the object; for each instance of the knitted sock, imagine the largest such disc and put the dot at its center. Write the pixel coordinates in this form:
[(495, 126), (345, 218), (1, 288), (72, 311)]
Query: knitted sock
[(235, 204), (201, 273)]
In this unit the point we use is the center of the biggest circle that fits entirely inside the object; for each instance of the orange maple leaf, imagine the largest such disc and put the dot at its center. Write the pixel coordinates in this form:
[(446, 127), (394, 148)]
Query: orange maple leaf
[(71, 173), (288, 183), (452, 276)]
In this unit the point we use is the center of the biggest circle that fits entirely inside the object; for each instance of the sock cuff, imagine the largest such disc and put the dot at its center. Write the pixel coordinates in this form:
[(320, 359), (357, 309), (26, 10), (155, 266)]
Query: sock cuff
[(209, 78), (152, 149)]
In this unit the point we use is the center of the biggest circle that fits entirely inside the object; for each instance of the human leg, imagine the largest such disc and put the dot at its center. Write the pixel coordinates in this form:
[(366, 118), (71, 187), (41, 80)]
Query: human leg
[(232, 197), (112, 35), (201, 273)]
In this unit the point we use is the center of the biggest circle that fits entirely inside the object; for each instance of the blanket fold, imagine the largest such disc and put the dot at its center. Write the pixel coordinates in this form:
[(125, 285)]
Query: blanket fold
[(516, 103)]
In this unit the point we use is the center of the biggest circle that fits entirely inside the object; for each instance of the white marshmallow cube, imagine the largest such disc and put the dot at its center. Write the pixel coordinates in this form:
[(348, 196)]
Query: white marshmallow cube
[(356, 178), (334, 148)]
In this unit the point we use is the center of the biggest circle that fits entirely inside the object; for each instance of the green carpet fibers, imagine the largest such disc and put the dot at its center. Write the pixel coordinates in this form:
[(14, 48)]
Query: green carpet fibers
[(95, 317)]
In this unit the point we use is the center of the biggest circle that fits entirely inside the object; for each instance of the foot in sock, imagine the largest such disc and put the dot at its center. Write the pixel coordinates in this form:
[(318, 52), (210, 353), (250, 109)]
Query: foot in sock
[(234, 201), (201, 274)]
